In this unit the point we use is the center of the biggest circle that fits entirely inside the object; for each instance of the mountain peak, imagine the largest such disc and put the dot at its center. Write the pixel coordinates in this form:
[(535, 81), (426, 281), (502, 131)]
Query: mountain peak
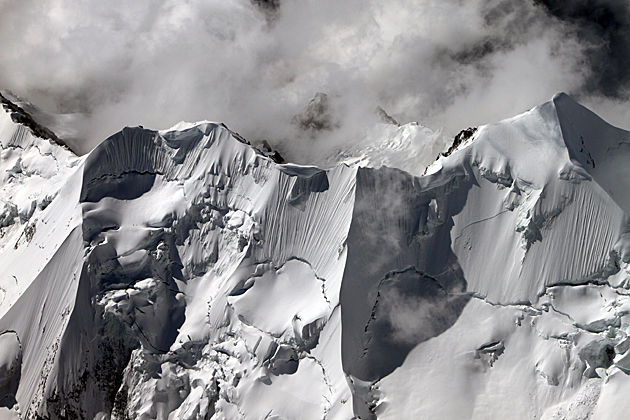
[(20, 116), (183, 272), (598, 147)]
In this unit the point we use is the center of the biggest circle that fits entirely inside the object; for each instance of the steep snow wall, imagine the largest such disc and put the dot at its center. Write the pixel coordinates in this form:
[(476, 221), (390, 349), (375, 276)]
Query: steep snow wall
[(541, 245), (181, 274)]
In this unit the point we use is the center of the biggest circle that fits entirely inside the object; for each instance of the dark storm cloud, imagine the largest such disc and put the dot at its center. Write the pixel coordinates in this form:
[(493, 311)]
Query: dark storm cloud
[(267, 5), (603, 27), (511, 22), (270, 8)]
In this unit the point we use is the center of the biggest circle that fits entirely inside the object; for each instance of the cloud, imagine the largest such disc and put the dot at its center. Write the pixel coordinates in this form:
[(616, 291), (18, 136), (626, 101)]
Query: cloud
[(256, 64), (603, 28)]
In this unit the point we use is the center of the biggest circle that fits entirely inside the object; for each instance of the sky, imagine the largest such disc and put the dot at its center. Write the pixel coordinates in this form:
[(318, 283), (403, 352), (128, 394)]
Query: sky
[(256, 64)]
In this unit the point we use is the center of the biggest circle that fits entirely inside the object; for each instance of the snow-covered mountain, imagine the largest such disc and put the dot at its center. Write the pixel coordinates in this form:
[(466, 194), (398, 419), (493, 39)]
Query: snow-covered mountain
[(182, 274)]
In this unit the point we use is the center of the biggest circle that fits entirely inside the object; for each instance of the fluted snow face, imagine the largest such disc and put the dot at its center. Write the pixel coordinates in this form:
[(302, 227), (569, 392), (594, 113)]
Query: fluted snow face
[(180, 274), (541, 245)]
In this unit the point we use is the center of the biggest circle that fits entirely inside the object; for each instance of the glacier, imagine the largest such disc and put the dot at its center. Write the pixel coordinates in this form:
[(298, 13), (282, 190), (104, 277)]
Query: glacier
[(184, 274)]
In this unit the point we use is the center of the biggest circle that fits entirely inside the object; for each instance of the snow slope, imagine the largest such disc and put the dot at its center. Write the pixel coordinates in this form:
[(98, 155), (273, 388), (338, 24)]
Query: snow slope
[(181, 274)]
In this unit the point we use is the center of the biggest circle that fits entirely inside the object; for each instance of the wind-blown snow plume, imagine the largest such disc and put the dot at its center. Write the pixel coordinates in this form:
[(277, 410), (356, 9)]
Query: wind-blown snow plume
[(256, 64)]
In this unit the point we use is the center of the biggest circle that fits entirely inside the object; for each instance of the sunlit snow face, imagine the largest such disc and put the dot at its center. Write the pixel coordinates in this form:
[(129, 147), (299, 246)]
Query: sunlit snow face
[(255, 64)]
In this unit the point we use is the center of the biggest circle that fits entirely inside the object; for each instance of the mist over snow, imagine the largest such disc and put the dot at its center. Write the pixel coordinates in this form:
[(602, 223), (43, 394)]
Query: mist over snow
[(191, 273), (255, 65)]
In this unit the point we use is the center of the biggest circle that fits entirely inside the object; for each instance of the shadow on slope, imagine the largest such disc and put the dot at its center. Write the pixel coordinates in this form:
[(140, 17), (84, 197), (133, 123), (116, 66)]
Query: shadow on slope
[(598, 147), (402, 284)]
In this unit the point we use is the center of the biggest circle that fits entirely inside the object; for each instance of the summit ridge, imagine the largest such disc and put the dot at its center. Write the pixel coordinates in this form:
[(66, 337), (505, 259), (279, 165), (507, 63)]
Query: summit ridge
[(183, 274)]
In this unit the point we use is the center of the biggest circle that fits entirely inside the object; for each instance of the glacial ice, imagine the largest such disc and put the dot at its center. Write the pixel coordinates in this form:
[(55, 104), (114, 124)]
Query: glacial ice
[(182, 274)]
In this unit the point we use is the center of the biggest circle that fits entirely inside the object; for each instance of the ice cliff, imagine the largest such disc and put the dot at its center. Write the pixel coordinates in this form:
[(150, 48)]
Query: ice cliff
[(182, 274)]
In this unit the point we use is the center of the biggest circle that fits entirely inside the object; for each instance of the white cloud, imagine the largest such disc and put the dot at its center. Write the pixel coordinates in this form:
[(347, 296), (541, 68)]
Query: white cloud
[(155, 62)]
